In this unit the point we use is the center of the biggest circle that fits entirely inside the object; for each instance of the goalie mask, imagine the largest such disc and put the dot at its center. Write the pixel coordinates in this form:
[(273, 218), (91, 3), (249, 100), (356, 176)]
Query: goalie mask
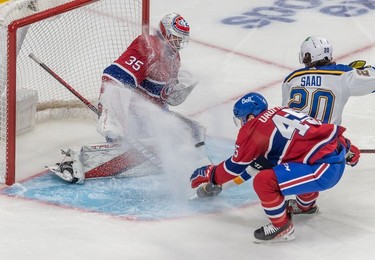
[(315, 49), (250, 104), (174, 29)]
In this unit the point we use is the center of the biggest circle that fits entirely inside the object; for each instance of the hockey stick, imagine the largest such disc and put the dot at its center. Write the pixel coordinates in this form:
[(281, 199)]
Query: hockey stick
[(64, 83), (367, 150), (134, 143)]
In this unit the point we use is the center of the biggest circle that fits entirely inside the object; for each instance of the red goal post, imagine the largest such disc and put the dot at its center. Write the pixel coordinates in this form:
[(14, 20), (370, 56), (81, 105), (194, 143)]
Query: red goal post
[(78, 38)]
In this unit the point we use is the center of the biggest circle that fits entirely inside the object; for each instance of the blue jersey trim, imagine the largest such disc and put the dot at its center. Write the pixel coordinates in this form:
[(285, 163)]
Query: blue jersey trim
[(335, 70), (152, 87), (118, 73)]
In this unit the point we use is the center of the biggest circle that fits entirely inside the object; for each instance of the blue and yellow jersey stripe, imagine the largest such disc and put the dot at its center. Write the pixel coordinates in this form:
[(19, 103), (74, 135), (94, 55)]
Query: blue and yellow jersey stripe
[(335, 70)]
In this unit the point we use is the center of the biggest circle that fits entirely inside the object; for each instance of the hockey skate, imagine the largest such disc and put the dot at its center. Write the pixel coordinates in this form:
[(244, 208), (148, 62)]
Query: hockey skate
[(271, 234), (68, 170), (295, 210), (64, 171)]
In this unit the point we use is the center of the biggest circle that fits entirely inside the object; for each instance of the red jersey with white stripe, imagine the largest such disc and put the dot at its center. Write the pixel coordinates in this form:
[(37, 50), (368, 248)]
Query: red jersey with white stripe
[(281, 135), (148, 64)]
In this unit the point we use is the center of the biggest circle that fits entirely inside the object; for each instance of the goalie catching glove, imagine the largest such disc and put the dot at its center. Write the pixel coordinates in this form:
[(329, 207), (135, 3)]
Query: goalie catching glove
[(176, 91)]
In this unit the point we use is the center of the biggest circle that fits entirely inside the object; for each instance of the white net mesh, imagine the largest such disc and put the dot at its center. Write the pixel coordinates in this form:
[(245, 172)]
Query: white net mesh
[(77, 45)]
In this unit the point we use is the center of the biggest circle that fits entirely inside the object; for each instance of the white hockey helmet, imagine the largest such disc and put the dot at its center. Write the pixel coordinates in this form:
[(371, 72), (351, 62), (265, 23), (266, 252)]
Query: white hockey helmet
[(175, 30), (319, 48)]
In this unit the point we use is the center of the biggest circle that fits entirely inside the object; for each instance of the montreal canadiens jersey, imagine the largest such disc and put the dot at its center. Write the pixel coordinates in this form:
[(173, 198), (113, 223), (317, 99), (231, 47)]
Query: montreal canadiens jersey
[(282, 135), (322, 92), (148, 64)]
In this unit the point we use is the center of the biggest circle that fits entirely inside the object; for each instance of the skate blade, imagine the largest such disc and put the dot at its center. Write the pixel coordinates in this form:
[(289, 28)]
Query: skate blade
[(285, 238)]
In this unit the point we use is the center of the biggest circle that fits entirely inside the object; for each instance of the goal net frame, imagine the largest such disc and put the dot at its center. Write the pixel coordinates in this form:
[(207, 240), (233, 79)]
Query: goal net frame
[(11, 91)]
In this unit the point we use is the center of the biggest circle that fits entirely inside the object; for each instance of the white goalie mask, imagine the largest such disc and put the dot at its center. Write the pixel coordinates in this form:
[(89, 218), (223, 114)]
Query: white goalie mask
[(319, 48), (175, 30)]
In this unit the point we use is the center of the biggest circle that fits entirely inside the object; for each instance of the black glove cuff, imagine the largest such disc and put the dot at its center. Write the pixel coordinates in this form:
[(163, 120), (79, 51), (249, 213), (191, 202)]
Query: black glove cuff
[(212, 177)]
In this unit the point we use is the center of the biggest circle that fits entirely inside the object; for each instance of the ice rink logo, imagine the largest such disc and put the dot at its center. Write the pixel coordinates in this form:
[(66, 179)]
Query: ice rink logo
[(285, 11)]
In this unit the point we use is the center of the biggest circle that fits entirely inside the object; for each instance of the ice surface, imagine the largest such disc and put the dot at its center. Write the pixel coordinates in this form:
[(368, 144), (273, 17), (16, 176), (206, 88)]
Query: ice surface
[(229, 61)]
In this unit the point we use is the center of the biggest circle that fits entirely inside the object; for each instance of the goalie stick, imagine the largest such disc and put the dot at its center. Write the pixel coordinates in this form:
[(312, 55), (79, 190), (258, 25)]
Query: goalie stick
[(136, 144)]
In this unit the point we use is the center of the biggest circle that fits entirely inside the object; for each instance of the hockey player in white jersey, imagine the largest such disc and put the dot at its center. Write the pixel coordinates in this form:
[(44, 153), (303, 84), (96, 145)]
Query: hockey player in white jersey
[(321, 89)]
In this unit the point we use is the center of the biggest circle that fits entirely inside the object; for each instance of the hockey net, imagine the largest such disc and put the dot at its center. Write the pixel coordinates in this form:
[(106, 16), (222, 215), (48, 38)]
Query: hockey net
[(77, 38)]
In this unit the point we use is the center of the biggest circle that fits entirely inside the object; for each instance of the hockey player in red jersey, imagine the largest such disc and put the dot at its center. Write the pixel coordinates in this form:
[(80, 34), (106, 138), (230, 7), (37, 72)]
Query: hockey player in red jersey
[(147, 72), (150, 68), (308, 156)]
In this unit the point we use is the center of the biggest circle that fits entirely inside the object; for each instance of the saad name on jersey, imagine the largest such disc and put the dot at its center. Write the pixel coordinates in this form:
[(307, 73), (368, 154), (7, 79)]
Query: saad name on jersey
[(311, 81)]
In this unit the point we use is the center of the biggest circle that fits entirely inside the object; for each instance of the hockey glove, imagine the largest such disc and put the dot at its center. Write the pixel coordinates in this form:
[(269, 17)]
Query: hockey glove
[(209, 190), (168, 88), (352, 156), (203, 175), (358, 64), (352, 151), (176, 94), (177, 90)]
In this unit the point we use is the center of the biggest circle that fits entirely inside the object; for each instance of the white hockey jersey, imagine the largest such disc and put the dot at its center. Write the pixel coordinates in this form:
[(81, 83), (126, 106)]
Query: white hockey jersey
[(322, 92)]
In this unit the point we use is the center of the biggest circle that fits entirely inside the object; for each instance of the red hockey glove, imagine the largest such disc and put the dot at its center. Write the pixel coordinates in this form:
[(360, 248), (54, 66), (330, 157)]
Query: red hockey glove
[(203, 175), (352, 156)]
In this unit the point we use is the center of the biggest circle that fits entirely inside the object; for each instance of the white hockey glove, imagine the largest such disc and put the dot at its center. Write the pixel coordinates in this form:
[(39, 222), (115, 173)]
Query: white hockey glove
[(175, 91)]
